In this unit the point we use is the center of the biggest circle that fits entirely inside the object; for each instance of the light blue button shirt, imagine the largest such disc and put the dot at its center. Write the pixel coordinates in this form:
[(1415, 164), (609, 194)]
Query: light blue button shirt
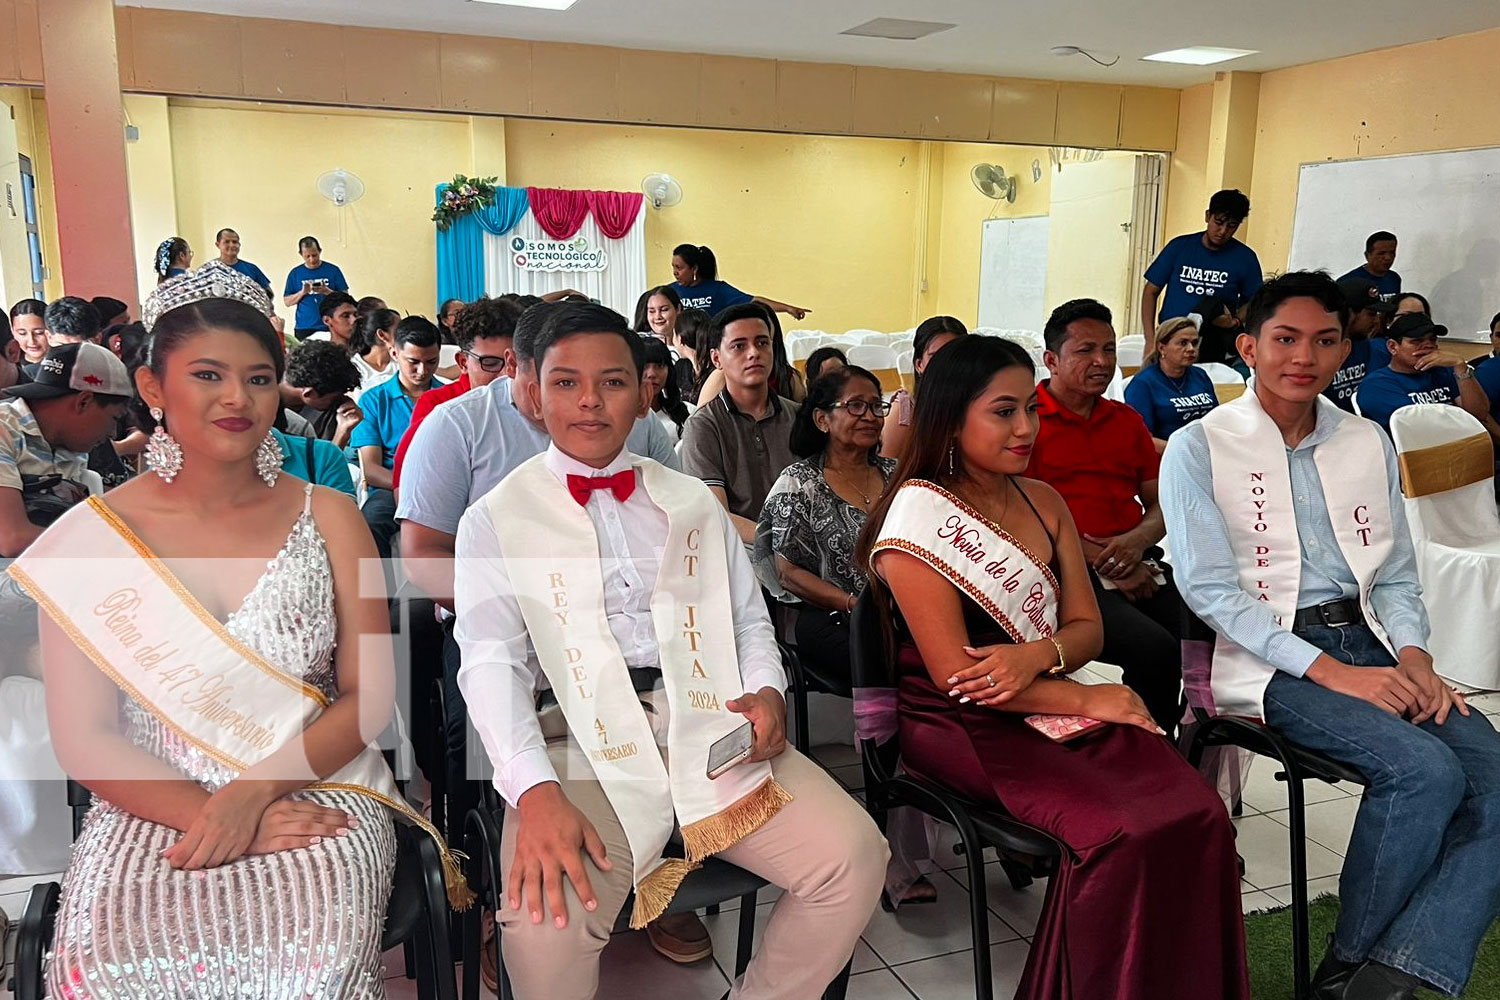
[(1208, 575)]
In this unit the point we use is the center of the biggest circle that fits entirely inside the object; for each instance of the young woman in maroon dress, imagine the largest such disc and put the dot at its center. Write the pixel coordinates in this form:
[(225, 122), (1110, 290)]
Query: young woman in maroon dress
[(1146, 904)]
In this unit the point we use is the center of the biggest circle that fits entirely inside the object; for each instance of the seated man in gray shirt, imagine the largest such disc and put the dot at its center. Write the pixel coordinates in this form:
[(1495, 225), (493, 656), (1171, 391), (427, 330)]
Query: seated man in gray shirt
[(1290, 540), (740, 441)]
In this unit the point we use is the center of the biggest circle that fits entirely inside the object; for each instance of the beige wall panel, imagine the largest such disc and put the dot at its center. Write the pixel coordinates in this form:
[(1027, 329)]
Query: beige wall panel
[(1024, 111), (931, 105), (182, 53), (10, 42), (485, 75), (659, 87), (575, 81), (1148, 118), (815, 97), (292, 60), (29, 41), (125, 44), (391, 69), (1088, 115), (735, 92)]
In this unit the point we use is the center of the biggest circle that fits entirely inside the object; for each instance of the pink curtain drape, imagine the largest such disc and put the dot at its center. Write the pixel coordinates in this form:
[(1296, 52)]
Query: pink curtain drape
[(615, 211), (560, 213)]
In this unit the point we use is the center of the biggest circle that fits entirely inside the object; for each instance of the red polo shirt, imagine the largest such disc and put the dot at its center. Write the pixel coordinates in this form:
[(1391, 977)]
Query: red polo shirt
[(426, 403), (1097, 463)]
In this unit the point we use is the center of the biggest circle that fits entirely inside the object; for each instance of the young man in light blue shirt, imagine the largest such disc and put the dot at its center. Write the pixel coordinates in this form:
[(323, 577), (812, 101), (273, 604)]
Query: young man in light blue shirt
[(1420, 885)]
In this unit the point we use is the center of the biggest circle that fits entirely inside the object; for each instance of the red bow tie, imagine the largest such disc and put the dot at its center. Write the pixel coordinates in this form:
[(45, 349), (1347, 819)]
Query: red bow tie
[(622, 484)]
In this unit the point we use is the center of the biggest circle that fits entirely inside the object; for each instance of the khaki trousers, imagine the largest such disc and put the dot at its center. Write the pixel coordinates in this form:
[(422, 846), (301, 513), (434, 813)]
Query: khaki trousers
[(822, 849)]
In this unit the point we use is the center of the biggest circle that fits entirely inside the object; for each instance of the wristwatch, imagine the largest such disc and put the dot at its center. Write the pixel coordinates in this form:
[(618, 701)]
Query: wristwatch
[(1467, 371)]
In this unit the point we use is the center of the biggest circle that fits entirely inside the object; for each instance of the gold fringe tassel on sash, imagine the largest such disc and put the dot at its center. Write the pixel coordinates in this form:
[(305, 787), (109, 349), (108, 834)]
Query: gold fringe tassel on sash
[(654, 894), (723, 830)]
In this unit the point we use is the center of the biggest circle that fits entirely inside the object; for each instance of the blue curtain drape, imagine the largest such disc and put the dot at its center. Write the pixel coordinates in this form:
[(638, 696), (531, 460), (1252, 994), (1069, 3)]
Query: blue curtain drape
[(460, 250)]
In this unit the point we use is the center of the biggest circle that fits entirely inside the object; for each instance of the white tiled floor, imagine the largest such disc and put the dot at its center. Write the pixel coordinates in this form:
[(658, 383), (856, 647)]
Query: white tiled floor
[(923, 952)]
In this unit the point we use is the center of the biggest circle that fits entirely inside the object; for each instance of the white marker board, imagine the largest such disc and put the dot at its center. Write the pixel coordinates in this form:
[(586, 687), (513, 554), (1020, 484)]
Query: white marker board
[(1013, 273), (1444, 209)]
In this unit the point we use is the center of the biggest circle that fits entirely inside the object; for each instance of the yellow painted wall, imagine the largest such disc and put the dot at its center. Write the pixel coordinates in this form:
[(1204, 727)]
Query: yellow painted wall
[(828, 223), (153, 186), (1415, 98), (1187, 178), (964, 211), (252, 169)]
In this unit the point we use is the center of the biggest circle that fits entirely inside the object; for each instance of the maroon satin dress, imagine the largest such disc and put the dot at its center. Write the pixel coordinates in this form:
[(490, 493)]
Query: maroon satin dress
[(1150, 908)]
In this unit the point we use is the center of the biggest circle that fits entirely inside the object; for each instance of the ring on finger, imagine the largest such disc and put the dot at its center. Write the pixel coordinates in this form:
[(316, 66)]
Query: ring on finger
[(990, 679)]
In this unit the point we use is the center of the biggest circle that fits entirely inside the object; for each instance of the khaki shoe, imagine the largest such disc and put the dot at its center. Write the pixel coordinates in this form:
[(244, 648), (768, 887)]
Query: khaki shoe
[(680, 937)]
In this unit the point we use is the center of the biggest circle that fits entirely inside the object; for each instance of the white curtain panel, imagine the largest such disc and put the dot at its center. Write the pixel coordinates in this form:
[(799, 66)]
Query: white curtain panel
[(617, 286)]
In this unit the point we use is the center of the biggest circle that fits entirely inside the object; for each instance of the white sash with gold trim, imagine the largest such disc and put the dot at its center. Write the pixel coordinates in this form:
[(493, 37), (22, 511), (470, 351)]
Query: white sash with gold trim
[(1253, 490), (140, 626), (552, 556), (985, 562)]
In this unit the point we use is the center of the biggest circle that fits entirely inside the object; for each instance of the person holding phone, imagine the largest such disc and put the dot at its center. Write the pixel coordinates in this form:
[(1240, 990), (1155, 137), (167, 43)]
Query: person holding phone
[(575, 554), (308, 282)]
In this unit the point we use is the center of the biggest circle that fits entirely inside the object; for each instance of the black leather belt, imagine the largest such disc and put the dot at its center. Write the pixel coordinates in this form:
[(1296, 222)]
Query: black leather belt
[(1336, 614), (643, 679)]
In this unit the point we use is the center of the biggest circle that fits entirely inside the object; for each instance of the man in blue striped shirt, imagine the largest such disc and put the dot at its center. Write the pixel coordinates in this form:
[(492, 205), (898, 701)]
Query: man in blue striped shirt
[(1420, 884)]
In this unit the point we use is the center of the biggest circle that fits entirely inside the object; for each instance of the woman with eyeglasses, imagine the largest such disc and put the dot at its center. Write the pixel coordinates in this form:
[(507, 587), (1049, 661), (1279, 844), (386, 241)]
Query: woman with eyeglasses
[(804, 543)]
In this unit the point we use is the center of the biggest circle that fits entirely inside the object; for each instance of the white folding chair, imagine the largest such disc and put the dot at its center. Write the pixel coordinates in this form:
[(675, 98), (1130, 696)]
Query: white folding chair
[(1447, 474), (801, 343), (881, 362), (1026, 338), (1227, 382), (447, 355), (1130, 349), (1116, 388)]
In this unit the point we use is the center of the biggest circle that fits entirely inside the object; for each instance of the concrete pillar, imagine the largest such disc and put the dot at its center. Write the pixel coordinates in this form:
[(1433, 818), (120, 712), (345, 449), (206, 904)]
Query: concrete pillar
[(87, 137), (1231, 136)]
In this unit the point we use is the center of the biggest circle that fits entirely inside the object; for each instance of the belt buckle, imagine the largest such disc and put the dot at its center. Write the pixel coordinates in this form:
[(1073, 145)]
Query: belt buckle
[(1326, 615)]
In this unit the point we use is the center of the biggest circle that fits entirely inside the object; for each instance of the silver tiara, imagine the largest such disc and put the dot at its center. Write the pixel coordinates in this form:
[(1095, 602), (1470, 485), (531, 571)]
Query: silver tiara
[(214, 280)]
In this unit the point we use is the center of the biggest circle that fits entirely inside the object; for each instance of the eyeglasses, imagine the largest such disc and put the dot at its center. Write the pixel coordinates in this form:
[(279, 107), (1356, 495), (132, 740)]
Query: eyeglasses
[(861, 407), (490, 362)]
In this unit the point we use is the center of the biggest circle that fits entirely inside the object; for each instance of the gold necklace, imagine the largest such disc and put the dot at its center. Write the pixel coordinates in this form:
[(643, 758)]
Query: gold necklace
[(855, 486)]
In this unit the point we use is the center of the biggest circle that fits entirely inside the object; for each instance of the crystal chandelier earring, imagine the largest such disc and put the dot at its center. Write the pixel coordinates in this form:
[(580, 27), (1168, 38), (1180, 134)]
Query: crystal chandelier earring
[(268, 459), (163, 452)]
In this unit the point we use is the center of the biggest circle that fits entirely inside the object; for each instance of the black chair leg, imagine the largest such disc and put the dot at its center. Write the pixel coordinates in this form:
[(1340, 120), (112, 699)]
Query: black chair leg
[(421, 946), (804, 733), (712, 909), (746, 943), (979, 917), (34, 936), (1297, 820), (840, 985)]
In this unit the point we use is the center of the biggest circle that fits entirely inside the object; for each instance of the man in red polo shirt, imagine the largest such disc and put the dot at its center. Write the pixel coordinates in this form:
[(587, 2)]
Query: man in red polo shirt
[(1099, 455), (485, 330)]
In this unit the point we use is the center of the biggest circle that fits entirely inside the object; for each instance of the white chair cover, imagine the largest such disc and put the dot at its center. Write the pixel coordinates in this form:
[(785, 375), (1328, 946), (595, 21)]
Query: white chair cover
[(1222, 374), (1457, 539), (1116, 388), (36, 834), (1130, 349)]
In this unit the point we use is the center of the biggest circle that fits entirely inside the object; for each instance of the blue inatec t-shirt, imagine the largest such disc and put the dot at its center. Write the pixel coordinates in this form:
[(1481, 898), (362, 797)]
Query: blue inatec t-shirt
[(710, 296), (1365, 356), (1388, 284), (1167, 404), (256, 275), (307, 309), (1186, 270), (1385, 391), (1488, 375)]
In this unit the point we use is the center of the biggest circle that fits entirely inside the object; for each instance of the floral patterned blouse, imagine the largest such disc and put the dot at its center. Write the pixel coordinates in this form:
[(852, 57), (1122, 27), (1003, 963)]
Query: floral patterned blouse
[(810, 526)]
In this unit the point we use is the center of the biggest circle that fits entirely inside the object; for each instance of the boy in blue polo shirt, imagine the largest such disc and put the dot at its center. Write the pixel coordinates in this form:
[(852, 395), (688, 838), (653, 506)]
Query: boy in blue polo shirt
[(1211, 262), (387, 407), (1419, 372)]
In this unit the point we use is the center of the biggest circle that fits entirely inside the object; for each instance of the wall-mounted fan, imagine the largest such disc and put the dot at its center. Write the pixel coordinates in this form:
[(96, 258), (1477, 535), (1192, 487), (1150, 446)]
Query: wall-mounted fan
[(662, 190), (991, 181), (340, 186)]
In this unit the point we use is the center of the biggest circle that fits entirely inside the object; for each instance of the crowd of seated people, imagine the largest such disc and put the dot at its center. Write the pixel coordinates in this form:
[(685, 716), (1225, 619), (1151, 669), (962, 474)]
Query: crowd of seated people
[(1008, 531)]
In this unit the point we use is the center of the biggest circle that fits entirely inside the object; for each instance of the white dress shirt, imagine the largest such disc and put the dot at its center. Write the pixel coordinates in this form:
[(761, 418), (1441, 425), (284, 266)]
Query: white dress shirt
[(500, 675)]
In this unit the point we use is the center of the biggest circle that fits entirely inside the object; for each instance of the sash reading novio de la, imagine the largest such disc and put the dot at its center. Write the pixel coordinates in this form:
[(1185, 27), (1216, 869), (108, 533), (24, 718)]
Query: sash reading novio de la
[(135, 620), (1253, 489), (997, 572), (552, 555)]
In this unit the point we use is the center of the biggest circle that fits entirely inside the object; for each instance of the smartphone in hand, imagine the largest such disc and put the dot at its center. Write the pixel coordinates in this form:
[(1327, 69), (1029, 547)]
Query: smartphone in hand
[(730, 750)]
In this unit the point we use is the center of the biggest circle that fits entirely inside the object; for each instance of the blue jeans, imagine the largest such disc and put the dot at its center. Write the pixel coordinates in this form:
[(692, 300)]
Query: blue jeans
[(1421, 880)]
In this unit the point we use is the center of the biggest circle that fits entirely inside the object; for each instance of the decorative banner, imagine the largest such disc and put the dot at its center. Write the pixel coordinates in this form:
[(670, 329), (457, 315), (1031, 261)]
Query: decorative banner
[(557, 255)]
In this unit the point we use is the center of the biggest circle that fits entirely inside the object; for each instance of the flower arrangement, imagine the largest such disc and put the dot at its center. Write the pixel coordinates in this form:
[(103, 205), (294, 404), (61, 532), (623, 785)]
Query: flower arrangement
[(461, 196)]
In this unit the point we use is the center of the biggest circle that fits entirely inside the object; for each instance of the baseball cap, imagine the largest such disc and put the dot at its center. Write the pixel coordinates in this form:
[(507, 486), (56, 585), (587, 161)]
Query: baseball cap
[(84, 367), (1413, 326), (1362, 294)]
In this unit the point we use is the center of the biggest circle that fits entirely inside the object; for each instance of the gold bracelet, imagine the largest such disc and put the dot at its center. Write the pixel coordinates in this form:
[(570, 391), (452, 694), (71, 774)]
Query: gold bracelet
[(1062, 660)]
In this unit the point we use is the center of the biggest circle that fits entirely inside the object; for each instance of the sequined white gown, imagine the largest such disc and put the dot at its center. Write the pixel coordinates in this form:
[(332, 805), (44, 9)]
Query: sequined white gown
[(303, 923)]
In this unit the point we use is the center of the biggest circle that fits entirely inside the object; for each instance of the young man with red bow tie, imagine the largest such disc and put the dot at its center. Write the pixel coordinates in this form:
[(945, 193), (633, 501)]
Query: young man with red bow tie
[(620, 590)]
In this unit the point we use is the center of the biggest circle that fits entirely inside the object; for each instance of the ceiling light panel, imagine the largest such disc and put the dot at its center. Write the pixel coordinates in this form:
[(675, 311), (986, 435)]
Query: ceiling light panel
[(537, 4), (1199, 55), (898, 28)]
